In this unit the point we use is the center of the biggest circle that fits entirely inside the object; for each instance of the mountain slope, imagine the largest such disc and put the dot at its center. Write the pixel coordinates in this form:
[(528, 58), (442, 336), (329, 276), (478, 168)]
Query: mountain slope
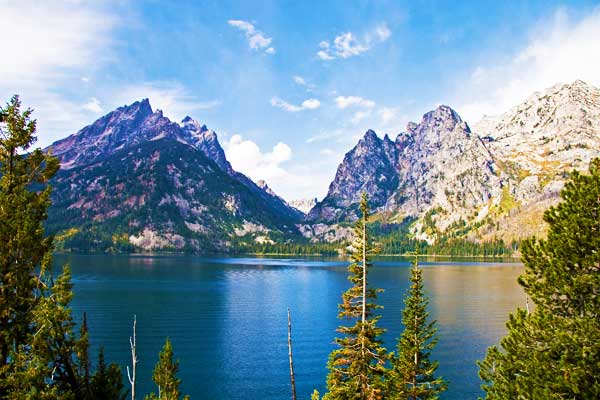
[(536, 144), (370, 167), (437, 164), (479, 184), (135, 179), (551, 132)]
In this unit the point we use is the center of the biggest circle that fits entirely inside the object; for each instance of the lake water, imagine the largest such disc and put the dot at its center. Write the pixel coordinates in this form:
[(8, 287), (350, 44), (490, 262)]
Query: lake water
[(227, 317)]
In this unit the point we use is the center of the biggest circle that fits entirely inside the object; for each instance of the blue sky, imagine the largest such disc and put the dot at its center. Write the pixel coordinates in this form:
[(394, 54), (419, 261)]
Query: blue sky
[(290, 86)]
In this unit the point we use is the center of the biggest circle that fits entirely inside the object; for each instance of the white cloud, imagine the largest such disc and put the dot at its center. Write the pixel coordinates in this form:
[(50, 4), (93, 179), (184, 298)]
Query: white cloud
[(45, 39), (324, 55), (309, 104), (359, 116), (93, 106), (382, 32), (299, 80), (171, 97), (559, 50), (387, 114), (337, 135), (247, 157), (257, 40), (348, 101), (54, 45), (348, 44), (288, 179)]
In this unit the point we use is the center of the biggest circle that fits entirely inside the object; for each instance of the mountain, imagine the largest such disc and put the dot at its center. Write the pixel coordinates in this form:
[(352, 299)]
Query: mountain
[(303, 205), (548, 133), (435, 166), (370, 166), (536, 144), (134, 179), (493, 180), (206, 140)]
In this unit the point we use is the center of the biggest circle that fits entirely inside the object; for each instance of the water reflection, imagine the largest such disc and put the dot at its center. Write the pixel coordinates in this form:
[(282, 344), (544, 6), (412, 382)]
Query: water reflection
[(227, 316)]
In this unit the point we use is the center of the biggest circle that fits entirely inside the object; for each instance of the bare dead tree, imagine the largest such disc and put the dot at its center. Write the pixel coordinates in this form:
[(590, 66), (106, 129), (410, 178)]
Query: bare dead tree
[(134, 360), (292, 376)]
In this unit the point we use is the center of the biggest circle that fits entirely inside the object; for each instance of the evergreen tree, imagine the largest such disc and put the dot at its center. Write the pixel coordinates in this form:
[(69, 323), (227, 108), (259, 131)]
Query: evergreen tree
[(165, 375), (357, 367), (84, 358), (413, 373), (107, 381), (554, 351), (23, 249), (40, 355)]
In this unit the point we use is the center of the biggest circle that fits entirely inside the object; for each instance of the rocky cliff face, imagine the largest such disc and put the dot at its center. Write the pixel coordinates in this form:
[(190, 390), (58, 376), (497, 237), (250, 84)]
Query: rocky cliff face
[(370, 167), (436, 164), (157, 184), (549, 133), (536, 144), (206, 140), (483, 181)]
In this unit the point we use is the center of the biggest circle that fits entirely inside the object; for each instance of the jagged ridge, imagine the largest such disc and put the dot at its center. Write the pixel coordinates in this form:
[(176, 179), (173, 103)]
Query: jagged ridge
[(139, 144)]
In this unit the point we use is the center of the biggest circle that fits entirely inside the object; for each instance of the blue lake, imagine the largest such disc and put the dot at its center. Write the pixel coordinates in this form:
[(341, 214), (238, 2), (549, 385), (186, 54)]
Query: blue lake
[(227, 317)]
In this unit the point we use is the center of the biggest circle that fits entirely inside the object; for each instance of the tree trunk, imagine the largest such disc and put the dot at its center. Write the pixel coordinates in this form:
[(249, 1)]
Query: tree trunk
[(292, 377), (133, 361)]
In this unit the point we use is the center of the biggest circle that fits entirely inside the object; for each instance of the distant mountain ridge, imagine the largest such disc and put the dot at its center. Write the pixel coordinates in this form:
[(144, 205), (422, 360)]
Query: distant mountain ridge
[(454, 180), (304, 205), (126, 180), (135, 180)]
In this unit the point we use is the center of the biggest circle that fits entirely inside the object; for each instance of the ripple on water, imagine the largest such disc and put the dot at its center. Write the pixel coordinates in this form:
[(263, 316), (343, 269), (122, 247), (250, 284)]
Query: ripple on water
[(227, 317)]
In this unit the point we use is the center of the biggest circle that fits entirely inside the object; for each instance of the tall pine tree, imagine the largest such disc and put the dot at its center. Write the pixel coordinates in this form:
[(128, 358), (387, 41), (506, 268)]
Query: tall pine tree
[(41, 357), (413, 373), (24, 251), (554, 351), (357, 367), (165, 375)]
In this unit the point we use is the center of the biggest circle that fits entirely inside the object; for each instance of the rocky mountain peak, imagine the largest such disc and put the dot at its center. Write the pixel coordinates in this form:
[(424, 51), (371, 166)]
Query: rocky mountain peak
[(138, 109), (368, 167), (435, 164), (562, 107), (263, 185), (370, 135), (126, 126), (367, 143), (206, 140), (193, 125), (442, 119)]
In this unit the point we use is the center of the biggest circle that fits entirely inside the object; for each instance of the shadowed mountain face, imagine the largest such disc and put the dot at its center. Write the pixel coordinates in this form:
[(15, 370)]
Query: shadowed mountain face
[(133, 177)]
